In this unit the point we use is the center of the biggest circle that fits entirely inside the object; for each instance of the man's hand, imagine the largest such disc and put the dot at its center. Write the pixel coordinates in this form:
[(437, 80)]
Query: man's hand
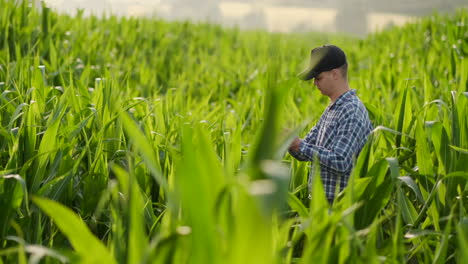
[(294, 146)]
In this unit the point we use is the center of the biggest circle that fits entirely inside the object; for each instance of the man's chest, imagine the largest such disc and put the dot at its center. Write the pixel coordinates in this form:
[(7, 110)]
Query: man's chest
[(328, 127)]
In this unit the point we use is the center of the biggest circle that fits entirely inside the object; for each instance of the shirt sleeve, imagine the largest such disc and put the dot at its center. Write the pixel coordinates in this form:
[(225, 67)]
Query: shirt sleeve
[(310, 138), (339, 156)]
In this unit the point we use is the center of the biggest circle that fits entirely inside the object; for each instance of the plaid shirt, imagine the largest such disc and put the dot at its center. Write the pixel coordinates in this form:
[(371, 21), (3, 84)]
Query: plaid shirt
[(336, 140)]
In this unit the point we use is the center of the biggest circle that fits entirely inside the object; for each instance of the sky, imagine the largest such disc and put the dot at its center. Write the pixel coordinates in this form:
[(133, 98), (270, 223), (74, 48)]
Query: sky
[(356, 17)]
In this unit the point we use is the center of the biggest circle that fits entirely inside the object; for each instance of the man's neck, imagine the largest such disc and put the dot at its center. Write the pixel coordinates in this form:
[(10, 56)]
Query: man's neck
[(338, 92)]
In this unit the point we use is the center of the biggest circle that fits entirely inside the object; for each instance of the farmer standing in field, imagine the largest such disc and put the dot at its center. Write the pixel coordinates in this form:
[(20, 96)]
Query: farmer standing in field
[(344, 126)]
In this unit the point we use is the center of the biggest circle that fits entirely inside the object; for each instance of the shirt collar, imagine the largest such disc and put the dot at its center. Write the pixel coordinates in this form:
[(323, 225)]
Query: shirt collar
[(344, 97)]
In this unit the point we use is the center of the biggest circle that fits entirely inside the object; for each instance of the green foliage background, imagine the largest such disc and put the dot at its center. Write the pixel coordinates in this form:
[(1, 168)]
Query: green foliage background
[(142, 141)]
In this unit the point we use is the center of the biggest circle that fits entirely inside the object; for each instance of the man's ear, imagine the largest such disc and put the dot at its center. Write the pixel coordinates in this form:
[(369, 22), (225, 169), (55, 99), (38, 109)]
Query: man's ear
[(336, 74)]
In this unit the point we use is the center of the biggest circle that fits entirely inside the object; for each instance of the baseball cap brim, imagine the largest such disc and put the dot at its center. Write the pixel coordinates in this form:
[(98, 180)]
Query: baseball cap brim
[(307, 74), (310, 71)]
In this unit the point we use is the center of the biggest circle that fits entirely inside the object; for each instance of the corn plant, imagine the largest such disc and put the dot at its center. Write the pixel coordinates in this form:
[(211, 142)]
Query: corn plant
[(136, 140)]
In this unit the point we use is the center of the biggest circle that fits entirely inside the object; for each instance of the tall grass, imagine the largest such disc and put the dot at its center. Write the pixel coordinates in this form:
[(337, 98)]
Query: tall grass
[(142, 141)]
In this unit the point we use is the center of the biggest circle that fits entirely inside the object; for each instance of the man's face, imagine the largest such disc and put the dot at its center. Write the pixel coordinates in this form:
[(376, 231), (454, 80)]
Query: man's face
[(324, 82)]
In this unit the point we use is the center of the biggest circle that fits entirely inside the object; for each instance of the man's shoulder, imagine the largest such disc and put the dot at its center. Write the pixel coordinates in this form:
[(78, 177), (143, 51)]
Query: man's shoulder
[(351, 103), (353, 107), (348, 97)]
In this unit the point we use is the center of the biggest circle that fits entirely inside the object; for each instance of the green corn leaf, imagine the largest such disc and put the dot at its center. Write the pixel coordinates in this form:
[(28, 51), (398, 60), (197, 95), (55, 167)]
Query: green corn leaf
[(21, 194), (47, 147), (401, 116), (89, 248), (407, 209), (143, 146), (423, 154), (135, 226), (442, 246), (297, 205), (458, 149), (462, 236), (414, 187)]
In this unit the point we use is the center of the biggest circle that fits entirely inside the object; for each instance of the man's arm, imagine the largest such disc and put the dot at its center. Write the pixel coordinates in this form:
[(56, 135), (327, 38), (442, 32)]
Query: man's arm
[(339, 156), (294, 148)]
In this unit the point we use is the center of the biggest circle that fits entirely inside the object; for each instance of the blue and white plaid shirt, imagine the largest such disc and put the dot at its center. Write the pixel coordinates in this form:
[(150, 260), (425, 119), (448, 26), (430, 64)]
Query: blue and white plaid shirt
[(336, 140)]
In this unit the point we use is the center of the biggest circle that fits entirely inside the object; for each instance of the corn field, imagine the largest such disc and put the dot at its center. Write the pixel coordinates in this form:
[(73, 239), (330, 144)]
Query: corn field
[(136, 140)]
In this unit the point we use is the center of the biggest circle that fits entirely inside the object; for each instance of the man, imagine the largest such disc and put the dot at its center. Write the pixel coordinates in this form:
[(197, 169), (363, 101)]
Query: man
[(343, 128)]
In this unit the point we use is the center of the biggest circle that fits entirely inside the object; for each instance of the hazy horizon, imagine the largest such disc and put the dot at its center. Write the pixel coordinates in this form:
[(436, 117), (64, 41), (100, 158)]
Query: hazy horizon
[(352, 17)]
